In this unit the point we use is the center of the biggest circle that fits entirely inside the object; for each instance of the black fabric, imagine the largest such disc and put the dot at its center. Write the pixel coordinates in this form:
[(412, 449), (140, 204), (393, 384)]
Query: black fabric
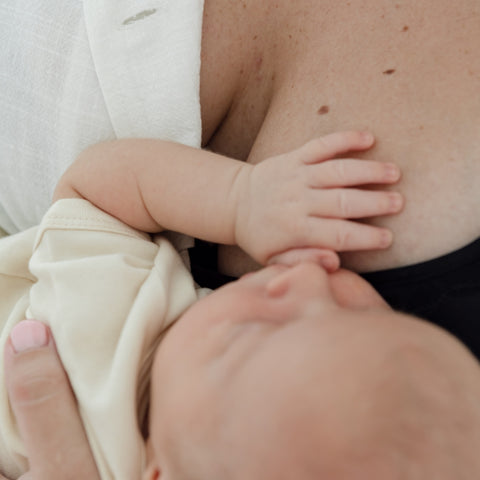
[(445, 291), (203, 264)]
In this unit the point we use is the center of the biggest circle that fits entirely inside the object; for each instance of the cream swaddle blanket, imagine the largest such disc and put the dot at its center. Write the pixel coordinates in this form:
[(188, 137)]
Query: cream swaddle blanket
[(108, 293)]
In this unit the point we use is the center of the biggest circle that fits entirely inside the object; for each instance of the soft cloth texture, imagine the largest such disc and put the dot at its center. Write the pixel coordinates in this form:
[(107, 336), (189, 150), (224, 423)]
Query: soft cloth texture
[(108, 293), (79, 72)]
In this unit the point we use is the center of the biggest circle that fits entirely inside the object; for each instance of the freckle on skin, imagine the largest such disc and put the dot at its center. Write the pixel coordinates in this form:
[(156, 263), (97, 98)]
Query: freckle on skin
[(323, 110), (405, 28), (389, 71)]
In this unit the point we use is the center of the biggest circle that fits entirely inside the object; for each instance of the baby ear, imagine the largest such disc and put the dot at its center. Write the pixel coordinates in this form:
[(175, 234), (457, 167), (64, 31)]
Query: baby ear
[(152, 470)]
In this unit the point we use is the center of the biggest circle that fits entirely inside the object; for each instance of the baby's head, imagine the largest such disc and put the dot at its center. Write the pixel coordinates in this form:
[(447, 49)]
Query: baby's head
[(290, 373)]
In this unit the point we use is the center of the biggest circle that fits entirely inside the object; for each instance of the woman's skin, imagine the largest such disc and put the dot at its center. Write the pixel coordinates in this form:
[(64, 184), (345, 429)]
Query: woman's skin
[(277, 73)]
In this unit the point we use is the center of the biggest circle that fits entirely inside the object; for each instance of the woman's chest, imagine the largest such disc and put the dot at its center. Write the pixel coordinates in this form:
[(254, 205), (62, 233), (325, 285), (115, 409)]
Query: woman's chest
[(413, 79)]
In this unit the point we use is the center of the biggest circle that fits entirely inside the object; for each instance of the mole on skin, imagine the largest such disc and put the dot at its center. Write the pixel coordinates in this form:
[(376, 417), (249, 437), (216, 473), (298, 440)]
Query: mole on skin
[(324, 109)]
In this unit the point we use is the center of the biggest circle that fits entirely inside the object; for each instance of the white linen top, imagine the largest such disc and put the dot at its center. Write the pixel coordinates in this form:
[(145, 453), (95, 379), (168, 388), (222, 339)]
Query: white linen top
[(76, 72)]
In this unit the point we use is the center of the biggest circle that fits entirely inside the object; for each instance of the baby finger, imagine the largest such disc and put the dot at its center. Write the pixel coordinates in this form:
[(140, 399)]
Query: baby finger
[(355, 203), (350, 172), (323, 148), (327, 259), (345, 235)]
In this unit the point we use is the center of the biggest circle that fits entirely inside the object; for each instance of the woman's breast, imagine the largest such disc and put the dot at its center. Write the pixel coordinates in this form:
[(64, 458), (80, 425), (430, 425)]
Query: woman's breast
[(413, 82), (440, 184)]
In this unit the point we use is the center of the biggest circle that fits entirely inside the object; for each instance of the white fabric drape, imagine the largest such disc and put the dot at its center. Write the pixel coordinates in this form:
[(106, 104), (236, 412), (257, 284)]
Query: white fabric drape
[(74, 73)]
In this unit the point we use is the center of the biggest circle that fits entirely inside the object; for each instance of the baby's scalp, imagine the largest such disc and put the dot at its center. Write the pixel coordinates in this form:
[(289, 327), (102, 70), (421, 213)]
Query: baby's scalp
[(372, 394), (426, 421), (420, 419)]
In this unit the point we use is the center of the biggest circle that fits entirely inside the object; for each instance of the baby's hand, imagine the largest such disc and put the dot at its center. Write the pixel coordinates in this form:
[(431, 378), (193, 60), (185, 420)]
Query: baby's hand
[(305, 199)]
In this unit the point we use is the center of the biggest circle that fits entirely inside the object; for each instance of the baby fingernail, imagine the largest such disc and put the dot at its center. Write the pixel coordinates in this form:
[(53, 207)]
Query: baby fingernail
[(396, 201), (392, 172), (28, 334), (386, 238), (367, 137)]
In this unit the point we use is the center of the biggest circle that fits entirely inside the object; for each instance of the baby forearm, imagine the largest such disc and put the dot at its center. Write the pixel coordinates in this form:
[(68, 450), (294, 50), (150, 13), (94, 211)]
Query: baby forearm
[(153, 185)]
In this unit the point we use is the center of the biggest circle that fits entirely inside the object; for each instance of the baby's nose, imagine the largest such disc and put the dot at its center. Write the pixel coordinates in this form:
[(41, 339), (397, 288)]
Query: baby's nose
[(310, 271), (303, 280), (312, 277)]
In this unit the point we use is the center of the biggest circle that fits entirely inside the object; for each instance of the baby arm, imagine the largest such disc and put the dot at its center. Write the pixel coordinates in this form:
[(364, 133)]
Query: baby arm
[(299, 200), (154, 185)]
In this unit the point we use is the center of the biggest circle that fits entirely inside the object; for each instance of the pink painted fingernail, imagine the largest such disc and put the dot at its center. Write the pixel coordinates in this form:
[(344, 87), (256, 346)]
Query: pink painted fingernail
[(28, 334)]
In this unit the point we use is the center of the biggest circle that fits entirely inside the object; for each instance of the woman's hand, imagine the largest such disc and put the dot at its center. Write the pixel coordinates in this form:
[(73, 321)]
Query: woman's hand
[(45, 407)]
